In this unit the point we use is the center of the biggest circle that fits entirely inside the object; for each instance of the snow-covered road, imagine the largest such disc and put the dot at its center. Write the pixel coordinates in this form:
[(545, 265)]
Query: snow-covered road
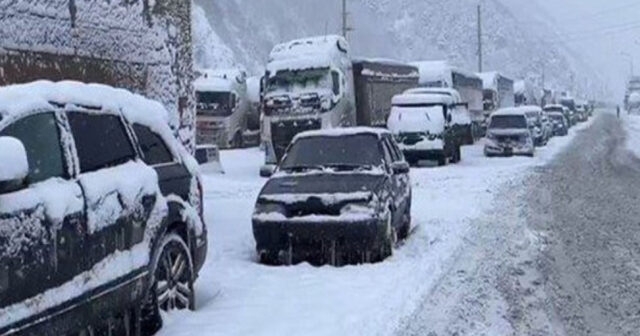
[(453, 210)]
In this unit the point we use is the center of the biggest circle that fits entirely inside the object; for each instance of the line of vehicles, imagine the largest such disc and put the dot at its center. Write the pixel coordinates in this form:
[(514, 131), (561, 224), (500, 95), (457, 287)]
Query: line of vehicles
[(101, 207)]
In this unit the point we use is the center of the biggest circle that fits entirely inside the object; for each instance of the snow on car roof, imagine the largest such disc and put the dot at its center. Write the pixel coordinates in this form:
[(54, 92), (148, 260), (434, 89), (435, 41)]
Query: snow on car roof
[(339, 132), (511, 111), (24, 98), (446, 91), (422, 99)]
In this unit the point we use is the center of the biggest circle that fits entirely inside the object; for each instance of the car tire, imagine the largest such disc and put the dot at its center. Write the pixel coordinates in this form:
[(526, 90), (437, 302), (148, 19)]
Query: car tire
[(443, 161), (390, 239), (405, 229), (238, 141), (172, 287)]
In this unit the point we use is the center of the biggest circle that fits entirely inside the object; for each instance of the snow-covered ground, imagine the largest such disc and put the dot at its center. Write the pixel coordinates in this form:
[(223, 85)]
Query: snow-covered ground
[(237, 296)]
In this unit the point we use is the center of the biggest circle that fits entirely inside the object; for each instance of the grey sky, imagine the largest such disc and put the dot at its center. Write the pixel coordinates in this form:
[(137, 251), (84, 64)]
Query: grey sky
[(605, 32)]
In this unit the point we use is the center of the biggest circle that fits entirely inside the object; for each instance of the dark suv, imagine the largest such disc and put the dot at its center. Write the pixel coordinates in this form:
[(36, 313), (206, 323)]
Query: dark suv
[(339, 196), (100, 212)]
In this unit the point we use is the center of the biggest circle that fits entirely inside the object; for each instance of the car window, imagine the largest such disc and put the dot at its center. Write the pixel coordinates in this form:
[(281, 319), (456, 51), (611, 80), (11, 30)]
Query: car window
[(41, 138), (396, 149), (395, 157), (154, 149), (101, 140), (387, 153)]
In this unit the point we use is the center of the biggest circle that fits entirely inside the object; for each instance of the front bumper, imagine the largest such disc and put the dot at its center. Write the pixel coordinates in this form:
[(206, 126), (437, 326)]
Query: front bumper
[(412, 155), (312, 240), (499, 149)]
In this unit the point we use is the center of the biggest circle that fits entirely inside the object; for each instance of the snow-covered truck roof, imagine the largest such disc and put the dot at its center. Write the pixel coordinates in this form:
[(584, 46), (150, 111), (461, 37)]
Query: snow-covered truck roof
[(440, 71), (223, 80), (339, 132), (422, 99), (307, 53), (391, 69), (491, 80)]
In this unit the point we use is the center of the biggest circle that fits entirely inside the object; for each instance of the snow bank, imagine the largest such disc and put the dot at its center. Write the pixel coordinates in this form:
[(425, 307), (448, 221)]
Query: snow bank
[(14, 160)]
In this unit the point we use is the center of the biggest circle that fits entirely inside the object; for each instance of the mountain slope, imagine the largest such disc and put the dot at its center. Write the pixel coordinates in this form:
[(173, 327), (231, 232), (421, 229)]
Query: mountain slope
[(402, 29)]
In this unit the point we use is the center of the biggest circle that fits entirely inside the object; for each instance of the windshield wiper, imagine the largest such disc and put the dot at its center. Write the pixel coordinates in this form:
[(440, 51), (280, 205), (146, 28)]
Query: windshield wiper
[(348, 166), (301, 168)]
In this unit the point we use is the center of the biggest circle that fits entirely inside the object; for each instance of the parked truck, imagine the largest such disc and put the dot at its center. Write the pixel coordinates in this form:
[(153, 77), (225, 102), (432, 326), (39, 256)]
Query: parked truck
[(441, 74), (497, 91), (314, 83), (222, 107)]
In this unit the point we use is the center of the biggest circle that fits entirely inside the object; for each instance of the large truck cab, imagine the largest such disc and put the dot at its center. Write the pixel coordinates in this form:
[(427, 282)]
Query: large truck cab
[(222, 107), (308, 85)]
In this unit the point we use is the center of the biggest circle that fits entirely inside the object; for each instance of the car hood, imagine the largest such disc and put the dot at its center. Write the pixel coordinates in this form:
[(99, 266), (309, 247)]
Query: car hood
[(322, 183)]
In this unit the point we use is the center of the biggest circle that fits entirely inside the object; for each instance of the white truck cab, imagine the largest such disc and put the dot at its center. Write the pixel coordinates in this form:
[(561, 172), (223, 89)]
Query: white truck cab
[(222, 107)]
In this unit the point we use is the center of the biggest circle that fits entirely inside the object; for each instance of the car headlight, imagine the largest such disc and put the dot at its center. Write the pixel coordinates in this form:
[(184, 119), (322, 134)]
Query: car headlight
[(269, 207), (360, 208)]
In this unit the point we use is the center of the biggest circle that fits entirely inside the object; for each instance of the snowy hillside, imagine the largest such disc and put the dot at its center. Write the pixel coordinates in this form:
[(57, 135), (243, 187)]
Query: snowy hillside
[(244, 31)]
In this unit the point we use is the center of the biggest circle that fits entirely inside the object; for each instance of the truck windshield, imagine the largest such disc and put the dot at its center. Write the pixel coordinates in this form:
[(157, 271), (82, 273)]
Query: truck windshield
[(216, 104), (291, 80), (508, 121), (344, 152)]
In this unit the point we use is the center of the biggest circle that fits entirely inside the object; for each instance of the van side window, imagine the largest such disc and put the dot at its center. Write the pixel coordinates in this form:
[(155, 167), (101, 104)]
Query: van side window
[(335, 77), (154, 149), (41, 138), (101, 140)]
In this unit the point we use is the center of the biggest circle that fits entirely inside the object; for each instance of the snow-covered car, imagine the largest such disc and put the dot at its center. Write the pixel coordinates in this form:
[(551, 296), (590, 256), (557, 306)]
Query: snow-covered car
[(339, 196), (421, 124), (540, 130), (568, 115), (560, 124), (509, 134), (100, 211), (461, 122)]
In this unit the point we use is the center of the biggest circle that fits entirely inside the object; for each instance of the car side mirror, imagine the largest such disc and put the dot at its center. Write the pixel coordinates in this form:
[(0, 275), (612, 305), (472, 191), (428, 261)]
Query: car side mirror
[(14, 167), (400, 168), (267, 170)]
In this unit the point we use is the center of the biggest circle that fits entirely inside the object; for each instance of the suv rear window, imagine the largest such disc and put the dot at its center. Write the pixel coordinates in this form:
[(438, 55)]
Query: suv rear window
[(154, 149), (101, 140)]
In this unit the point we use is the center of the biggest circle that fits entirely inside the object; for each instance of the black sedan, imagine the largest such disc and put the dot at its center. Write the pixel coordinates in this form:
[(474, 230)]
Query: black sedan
[(338, 197)]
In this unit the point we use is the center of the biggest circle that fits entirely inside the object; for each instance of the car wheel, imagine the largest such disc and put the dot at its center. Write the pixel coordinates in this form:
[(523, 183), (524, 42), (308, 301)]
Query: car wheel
[(172, 287), (406, 223), (390, 239), (238, 141)]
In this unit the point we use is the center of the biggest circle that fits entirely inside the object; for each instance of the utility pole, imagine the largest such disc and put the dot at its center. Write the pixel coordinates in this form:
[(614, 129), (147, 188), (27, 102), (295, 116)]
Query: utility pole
[(479, 38), (345, 20)]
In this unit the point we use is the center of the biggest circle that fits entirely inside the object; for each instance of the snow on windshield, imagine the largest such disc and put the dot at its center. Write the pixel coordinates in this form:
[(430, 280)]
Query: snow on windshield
[(299, 80), (416, 119)]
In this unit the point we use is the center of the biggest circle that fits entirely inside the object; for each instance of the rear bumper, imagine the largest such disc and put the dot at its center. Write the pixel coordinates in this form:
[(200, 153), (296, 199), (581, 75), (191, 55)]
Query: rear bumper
[(311, 239), (428, 154)]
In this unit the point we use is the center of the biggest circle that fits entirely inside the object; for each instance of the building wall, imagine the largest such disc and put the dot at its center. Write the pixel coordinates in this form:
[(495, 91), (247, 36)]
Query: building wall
[(141, 45)]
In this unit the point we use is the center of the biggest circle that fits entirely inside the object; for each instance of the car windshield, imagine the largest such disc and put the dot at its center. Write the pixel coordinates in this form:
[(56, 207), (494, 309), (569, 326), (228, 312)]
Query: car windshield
[(218, 104), (508, 121), (297, 80), (556, 117), (342, 152)]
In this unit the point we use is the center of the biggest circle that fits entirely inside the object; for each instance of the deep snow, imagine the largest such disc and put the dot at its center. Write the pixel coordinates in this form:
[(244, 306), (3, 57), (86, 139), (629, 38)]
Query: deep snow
[(237, 296)]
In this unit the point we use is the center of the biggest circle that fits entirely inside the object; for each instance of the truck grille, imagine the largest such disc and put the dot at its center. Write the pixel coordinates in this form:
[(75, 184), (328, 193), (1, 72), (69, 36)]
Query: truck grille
[(282, 132)]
